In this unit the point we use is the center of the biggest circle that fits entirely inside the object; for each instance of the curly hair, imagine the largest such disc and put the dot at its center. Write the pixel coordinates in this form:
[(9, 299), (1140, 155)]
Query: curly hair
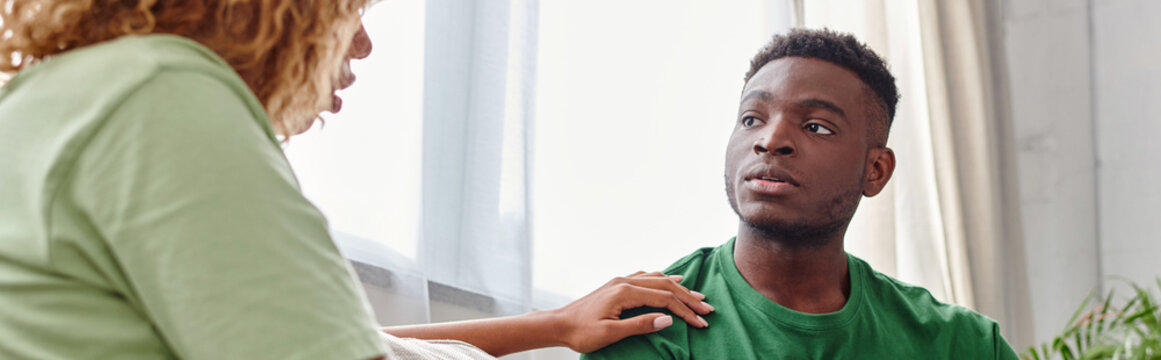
[(842, 50), (288, 52)]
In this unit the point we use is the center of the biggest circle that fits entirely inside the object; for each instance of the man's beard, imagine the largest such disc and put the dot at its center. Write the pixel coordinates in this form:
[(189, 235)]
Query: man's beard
[(805, 233)]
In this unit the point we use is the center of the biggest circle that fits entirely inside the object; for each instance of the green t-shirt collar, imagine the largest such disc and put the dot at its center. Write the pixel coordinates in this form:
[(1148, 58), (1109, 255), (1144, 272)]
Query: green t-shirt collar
[(747, 295)]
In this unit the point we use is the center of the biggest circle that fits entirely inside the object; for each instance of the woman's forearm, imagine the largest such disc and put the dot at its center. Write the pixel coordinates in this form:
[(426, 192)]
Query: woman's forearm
[(496, 336), (585, 325)]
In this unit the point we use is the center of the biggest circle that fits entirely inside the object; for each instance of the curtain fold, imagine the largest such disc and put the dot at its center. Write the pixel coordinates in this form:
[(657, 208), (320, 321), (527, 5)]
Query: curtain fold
[(962, 88), (941, 223), (478, 86), (966, 133)]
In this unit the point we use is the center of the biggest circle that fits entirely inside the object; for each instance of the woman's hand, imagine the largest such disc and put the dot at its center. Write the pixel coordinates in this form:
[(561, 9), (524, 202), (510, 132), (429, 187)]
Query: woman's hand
[(585, 325), (594, 321)]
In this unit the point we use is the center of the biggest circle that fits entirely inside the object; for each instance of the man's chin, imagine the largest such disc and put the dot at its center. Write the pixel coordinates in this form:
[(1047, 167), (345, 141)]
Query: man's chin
[(773, 225), (774, 213), (793, 232)]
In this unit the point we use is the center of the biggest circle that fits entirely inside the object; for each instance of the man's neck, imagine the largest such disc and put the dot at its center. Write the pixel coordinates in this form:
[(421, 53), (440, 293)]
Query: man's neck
[(811, 279)]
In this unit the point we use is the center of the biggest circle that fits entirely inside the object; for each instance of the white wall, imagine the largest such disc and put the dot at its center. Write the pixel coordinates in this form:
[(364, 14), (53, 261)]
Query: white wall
[(1085, 99), (1047, 48), (1127, 71)]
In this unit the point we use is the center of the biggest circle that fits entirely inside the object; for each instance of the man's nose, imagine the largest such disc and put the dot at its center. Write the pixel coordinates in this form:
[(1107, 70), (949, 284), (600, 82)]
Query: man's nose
[(777, 139)]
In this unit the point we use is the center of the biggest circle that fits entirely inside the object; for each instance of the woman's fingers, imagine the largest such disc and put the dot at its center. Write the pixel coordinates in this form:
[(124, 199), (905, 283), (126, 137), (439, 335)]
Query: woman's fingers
[(640, 324), (593, 321), (691, 299), (633, 296), (675, 278)]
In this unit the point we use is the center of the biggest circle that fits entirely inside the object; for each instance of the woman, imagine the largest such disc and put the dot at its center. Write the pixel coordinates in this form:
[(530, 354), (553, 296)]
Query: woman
[(147, 211)]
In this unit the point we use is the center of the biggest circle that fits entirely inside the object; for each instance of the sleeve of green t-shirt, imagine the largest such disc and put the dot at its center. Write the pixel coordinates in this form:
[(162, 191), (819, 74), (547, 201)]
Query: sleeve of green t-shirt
[(1003, 350), (216, 244), (659, 345)]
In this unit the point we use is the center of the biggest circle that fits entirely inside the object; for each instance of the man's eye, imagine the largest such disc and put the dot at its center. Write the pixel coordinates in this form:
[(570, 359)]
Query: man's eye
[(818, 129), (750, 121)]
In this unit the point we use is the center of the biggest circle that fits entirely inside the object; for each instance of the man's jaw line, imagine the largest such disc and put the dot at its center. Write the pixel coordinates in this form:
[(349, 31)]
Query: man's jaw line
[(787, 236), (796, 274), (792, 238)]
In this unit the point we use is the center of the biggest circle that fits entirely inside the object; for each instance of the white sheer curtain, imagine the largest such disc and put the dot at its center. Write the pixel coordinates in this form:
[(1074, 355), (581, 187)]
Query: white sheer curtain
[(427, 174), (429, 180), (940, 223), (363, 169), (901, 232), (423, 173), (478, 101), (636, 101)]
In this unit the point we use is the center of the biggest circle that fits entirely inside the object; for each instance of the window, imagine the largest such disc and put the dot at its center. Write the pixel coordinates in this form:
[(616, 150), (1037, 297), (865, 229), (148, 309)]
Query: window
[(362, 167), (635, 104)]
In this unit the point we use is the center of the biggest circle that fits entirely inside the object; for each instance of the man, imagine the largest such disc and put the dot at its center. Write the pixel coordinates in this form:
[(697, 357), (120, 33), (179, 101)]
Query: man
[(809, 140)]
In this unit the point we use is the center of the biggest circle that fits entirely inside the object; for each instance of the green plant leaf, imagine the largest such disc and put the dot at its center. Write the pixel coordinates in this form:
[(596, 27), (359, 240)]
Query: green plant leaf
[(1100, 352), (1109, 331), (1032, 353), (1076, 314), (1100, 323)]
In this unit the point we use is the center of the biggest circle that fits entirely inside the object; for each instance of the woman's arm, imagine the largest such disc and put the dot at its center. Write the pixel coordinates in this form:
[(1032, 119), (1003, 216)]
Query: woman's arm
[(585, 325)]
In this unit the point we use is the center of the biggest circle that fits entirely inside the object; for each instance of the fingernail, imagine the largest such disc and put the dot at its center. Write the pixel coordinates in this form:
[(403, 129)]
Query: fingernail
[(676, 277), (703, 322), (705, 304), (697, 295), (663, 322)]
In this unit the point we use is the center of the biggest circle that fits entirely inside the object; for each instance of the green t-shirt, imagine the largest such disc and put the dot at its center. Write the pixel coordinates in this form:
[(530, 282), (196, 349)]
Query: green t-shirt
[(882, 319), (147, 211)]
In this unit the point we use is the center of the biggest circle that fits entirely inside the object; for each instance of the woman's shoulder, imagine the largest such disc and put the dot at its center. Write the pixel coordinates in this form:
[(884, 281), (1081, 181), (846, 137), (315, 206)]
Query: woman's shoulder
[(104, 74), (84, 88), (127, 60)]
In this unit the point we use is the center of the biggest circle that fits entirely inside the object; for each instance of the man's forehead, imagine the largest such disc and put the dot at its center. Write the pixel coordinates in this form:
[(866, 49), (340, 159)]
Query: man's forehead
[(791, 78)]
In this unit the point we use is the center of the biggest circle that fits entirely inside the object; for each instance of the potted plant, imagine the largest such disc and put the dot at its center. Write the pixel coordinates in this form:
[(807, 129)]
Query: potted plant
[(1131, 330)]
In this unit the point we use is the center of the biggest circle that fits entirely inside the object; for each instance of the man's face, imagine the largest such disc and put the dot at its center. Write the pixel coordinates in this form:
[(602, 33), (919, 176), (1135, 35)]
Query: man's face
[(799, 158)]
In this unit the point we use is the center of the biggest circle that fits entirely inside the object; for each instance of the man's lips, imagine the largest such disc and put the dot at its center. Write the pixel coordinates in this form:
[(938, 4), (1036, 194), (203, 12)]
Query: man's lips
[(771, 174), (769, 187), (770, 180)]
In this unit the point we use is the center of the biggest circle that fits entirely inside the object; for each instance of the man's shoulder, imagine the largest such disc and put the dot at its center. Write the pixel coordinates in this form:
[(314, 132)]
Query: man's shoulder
[(694, 268), (665, 344), (669, 343), (905, 308), (694, 264), (690, 263), (916, 304)]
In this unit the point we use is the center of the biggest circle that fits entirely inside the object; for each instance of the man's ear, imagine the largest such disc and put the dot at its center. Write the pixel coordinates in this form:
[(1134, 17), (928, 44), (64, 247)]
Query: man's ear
[(880, 166)]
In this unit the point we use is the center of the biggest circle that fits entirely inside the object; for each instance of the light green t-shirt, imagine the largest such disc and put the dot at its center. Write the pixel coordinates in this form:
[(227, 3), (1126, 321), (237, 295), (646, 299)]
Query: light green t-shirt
[(147, 211), (882, 319)]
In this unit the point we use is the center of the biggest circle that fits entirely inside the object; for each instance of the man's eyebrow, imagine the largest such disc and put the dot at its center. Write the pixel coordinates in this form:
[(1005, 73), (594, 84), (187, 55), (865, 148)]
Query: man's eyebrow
[(822, 104), (811, 103), (761, 94)]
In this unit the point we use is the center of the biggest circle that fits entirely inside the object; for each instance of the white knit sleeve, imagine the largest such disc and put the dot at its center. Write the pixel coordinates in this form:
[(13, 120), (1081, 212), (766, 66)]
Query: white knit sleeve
[(409, 349)]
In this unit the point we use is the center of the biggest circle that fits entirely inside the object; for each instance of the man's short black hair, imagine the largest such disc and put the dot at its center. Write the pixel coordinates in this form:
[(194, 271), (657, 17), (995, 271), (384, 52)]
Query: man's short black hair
[(840, 49)]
